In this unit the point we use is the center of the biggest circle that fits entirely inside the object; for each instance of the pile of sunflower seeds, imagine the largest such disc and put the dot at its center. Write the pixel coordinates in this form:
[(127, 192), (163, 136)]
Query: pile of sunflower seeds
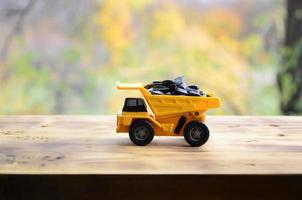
[(174, 87)]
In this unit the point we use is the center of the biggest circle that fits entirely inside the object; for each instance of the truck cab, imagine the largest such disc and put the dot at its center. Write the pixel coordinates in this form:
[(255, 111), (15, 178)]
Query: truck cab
[(133, 109)]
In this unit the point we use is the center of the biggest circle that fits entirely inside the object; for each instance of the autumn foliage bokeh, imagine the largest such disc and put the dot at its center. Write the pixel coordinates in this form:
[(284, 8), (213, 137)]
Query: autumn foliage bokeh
[(67, 55)]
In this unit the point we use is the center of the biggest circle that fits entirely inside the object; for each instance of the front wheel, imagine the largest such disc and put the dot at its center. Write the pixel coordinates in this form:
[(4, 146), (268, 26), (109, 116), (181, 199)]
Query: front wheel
[(196, 133), (141, 132)]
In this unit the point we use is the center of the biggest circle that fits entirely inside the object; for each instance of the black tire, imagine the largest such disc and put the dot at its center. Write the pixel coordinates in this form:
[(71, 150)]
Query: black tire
[(141, 132), (196, 133)]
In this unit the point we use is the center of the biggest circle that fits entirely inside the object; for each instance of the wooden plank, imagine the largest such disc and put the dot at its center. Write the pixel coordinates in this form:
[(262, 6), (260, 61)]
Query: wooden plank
[(129, 187), (89, 145)]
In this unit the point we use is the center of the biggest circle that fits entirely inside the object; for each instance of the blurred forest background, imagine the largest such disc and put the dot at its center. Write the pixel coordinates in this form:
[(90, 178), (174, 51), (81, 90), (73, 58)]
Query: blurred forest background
[(65, 56)]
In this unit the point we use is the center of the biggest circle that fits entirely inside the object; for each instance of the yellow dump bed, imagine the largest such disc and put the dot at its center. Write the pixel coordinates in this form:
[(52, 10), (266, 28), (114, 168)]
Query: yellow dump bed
[(172, 104)]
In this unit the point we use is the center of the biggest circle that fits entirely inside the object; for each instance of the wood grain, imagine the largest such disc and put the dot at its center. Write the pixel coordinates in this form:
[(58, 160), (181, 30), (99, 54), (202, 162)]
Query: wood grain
[(89, 145)]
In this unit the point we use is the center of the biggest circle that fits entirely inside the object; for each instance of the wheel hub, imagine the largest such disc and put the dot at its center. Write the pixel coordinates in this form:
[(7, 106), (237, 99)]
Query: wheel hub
[(141, 133), (196, 133)]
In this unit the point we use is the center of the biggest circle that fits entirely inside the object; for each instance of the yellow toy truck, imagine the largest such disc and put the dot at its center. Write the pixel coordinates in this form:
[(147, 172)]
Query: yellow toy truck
[(164, 115)]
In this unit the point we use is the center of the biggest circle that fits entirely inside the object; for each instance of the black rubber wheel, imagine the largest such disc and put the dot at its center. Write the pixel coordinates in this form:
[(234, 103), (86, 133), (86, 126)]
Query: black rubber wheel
[(141, 132), (196, 133)]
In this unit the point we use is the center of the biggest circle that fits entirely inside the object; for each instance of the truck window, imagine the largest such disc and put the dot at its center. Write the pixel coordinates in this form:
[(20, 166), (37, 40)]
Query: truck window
[(139, 102), (134, 105), (131, 102)]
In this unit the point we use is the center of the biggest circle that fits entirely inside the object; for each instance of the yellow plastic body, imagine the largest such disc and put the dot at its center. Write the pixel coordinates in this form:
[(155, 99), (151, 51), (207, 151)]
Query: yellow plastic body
[(166, 110)]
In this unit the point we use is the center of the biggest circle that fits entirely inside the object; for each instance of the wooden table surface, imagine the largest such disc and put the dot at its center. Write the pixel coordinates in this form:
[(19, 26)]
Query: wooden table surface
[(89, 145)]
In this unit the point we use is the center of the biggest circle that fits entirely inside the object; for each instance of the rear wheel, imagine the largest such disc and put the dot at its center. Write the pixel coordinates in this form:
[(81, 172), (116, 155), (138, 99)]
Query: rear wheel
[(196, 133), (141, 132)]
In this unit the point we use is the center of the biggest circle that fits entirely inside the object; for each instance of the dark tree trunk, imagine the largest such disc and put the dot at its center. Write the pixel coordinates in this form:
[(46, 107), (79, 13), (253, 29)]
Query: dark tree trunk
[(290, 75)]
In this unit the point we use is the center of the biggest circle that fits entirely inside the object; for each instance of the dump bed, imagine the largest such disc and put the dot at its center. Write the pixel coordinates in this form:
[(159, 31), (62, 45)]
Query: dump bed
[(171, 104)]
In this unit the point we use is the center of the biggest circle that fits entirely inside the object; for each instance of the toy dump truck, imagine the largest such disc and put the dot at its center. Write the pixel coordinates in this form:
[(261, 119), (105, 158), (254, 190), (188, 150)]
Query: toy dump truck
[(164, 115)]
